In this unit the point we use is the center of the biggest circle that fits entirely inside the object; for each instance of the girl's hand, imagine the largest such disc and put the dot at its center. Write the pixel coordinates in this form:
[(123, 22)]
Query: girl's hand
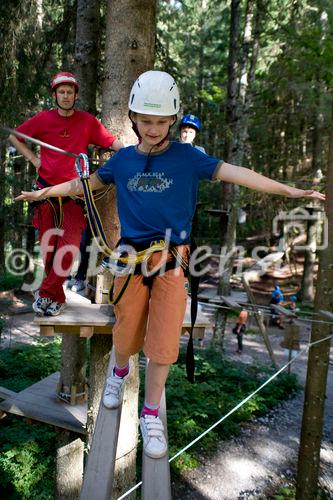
[(29, 196), (306, 193)]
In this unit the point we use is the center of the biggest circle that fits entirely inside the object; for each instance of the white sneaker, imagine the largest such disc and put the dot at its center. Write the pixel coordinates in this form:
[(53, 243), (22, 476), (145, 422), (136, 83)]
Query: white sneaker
[(54, 309), (154, 442), (114, 390)]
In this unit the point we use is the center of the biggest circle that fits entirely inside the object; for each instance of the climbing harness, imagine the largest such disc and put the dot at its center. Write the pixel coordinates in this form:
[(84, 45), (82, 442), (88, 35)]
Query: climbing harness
[(126, 264)]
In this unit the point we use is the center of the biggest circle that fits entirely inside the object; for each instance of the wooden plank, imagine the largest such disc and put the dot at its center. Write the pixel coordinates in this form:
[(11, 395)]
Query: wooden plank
[(326, 314), (286, 312), (75, 329), (259, 319), (198, 331), (99, 471), (47, 330), (201, 321), (84, 314), (237, 296), (86, 331), (5, 393), (39, 402), (231, 303), (156, 471)]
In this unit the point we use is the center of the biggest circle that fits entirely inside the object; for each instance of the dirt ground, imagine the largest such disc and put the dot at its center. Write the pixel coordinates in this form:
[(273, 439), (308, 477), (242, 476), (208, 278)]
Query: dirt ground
[(255, 464), (263, 457)]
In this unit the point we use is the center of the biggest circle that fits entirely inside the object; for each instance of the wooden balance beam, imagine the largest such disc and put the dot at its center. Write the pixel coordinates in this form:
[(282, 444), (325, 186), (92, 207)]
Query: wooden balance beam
[(100, 464)]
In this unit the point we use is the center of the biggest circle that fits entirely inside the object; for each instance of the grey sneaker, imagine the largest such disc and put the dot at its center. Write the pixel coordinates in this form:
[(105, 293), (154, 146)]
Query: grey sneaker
[(114, 390), (54, 309), (41, 304), (154, 442), (78, 286)]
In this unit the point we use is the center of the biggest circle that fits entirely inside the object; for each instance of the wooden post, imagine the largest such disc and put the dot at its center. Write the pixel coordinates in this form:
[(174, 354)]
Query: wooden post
[(259, 320), (73, 368), (318, 361), (69, 466)]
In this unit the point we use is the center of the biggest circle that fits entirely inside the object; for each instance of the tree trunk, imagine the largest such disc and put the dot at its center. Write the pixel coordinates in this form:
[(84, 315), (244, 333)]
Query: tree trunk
[(307, 288), (87, 52), (237, 117), (72, 382), (2, 205), (230, 192), (69, 466), (312, 424), (73, 355)]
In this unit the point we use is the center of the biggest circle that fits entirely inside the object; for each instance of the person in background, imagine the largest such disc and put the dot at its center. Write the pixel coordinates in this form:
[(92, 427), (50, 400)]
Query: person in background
[(189, 126), (240, 329), (73, 131), (277, 298)]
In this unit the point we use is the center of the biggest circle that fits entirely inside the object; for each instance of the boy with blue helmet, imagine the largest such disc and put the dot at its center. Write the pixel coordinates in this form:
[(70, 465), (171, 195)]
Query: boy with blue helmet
[(156, 203), (189, 126)]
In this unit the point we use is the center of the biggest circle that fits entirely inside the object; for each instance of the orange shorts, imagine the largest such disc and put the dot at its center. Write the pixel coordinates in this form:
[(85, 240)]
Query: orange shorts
[(151, 318)]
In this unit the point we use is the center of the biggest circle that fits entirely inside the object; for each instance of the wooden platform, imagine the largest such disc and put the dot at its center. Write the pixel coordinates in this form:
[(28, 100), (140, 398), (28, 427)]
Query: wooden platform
[(79, 317), (85, 319), (39, 402), (200, 325)]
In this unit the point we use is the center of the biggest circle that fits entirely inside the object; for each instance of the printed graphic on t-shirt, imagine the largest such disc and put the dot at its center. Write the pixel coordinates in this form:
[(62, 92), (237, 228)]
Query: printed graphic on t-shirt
[(149, 182)]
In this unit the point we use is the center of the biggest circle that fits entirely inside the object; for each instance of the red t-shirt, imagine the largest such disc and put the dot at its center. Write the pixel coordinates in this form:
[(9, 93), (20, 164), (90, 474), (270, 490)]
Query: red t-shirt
[(73, 133)]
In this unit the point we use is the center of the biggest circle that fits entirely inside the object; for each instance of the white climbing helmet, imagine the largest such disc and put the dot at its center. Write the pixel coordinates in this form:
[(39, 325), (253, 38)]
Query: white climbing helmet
[(154, 93)]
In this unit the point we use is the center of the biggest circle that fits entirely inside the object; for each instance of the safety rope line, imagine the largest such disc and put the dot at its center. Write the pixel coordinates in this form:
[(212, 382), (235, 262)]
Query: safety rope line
[(68, 153), (233, 410), (45, 144), (251, 311)]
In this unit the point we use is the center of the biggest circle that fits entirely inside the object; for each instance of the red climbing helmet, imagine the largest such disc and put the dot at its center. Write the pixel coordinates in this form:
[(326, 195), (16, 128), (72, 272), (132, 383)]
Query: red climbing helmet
[(64, 78)]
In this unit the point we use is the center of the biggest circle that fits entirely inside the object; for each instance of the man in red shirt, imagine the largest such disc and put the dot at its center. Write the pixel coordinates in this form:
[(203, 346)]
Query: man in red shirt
[(60, 223)]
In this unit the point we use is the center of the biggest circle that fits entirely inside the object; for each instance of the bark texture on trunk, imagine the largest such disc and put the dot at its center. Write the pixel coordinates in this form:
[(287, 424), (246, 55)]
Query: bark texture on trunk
[(315, 389)]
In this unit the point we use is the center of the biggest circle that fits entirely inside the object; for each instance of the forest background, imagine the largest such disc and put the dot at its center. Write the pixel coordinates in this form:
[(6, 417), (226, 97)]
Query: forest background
[(257, 72)]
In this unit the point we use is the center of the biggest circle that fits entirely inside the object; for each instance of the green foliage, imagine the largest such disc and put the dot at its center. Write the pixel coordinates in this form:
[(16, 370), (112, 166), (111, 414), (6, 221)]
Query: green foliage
[(9, 281), (220, 385), (27, 451), (26, 460), (25, 365), (289, 493)]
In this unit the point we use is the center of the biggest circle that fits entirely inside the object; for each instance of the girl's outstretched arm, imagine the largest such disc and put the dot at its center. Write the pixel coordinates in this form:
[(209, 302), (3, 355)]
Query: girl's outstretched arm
[(251, 179), (70, 188)]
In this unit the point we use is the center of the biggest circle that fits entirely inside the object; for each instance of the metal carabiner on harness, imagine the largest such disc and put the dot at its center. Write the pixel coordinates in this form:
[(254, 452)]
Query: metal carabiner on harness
[(82, 172)]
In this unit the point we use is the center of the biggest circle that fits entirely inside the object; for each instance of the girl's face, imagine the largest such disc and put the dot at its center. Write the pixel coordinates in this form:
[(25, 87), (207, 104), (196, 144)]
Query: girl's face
[(152, 129)]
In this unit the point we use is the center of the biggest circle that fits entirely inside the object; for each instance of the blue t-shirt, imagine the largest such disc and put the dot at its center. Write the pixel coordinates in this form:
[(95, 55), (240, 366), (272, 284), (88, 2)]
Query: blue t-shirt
[(162, 200)]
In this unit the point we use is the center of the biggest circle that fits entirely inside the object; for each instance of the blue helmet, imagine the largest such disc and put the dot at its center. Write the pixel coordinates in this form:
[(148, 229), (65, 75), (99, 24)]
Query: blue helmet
[(190, 121)]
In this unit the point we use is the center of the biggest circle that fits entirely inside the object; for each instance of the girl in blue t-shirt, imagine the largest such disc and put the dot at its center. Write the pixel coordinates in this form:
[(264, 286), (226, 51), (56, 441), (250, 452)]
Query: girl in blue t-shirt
[(156, 187)]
